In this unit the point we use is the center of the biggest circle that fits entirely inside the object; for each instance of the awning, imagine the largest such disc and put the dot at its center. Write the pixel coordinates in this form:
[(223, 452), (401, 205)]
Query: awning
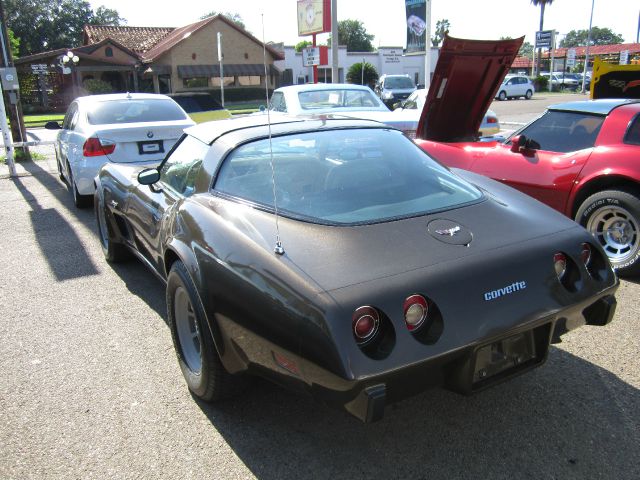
[(230, 70)]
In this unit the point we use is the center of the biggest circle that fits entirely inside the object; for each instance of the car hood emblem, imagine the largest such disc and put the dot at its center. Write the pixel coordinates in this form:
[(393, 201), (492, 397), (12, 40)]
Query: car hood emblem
[(448, 231), (149, 134)]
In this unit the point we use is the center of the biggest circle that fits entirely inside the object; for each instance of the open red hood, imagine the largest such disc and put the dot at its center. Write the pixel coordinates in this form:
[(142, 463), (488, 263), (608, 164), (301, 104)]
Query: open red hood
[(464, 84)]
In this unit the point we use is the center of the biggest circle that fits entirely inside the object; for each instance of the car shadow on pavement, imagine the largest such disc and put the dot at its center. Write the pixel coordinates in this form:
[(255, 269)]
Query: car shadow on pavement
[(567, 419), (143, 284), (59, 242)]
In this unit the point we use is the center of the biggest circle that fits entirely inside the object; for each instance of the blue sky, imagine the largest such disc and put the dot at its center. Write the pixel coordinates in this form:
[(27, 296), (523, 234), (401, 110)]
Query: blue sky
[(386, 19)]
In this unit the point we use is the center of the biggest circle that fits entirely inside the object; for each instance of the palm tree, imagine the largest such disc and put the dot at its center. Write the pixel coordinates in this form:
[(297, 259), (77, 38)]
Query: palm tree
[(543, 4)]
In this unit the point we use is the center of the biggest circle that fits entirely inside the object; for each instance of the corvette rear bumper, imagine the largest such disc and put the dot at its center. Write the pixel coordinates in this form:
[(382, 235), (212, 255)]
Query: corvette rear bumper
[(478, 366)]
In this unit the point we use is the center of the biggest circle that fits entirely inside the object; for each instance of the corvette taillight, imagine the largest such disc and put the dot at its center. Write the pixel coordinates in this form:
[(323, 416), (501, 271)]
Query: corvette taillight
[(560, 264), (365, 324), (416, 310), (94, 147)]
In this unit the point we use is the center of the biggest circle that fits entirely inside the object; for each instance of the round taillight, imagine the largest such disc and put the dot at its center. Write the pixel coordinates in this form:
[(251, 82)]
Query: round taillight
[(415, 311), (585, 254), (560, 264), (365, 324)]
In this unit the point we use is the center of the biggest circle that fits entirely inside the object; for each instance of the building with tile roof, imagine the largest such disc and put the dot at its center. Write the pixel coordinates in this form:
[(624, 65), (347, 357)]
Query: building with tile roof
[(160, 59)]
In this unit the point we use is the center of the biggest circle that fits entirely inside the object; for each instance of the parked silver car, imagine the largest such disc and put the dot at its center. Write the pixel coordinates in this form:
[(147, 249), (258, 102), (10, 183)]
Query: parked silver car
[(515, 86), (120, 128)]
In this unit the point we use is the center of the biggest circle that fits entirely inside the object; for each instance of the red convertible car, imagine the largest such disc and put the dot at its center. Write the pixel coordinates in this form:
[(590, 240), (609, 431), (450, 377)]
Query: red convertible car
[(581, 158)]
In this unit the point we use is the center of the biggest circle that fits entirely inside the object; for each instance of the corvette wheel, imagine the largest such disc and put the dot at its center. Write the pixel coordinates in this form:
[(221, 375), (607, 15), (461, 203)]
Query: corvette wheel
[(80, 201), (528, 95), (197, 355), (502, 96), (113, 251), (613, 218)]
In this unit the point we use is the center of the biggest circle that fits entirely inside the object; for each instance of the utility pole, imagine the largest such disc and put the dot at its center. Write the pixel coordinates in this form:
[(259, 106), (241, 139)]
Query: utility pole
[(15, 110), (335, 72), (427, 48), (586, 53), (220, 59)]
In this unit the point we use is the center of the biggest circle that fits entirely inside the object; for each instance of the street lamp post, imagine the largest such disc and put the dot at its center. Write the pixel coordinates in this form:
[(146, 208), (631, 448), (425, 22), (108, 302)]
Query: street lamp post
[(70, 60)]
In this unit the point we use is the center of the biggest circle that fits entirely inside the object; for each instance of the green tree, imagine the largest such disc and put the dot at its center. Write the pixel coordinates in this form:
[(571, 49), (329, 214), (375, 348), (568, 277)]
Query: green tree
[(49, 24), (442, 28), (355, 74), (353, 34), (599, 36), (303, 44), (234, 17), (14, 44), (542, 4)]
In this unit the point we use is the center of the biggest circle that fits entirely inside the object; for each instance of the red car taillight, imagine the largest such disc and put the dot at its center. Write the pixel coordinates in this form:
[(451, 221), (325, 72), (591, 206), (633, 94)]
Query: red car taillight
[(365, 323), (415, 310), (560, 264), (492, 120), (94, 147)]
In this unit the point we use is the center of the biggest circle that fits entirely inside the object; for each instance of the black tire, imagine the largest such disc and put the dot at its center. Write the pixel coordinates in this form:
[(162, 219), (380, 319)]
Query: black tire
[(209, 382), (80, 201), (528, 95), (502, 96), (613, 218), (113, 251), (59, 165)]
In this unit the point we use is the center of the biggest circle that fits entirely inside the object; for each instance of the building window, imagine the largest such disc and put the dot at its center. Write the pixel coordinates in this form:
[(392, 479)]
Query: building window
[(195, 82), (252, 80), (108, 52)]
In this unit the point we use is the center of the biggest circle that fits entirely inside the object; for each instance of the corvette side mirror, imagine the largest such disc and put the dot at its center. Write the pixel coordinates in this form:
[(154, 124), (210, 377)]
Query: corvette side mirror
[(522, 144), (148, 176)]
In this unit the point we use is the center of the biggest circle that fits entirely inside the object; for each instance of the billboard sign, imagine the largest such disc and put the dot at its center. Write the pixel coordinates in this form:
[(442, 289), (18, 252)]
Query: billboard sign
[(314, 16), (544, 39), (416, 25)]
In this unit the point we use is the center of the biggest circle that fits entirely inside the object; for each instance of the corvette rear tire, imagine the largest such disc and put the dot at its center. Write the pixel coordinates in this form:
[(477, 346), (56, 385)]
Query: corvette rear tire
[(613, 218), (528, 95), (113, 251), (198, 358), (80, 201), (502, 96)]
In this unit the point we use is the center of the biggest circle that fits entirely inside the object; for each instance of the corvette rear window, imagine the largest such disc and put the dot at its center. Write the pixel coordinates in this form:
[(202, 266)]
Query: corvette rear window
[(343, 177), (134, 111)]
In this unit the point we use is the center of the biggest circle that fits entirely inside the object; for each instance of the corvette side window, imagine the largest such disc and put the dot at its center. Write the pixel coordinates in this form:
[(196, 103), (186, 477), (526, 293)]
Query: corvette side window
[(564, 131), (181, 169), (633, 133)]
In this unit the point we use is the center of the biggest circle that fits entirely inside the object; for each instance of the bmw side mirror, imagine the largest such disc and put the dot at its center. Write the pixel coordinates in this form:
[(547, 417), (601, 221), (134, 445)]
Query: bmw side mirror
[(148, 176), (52, 125)]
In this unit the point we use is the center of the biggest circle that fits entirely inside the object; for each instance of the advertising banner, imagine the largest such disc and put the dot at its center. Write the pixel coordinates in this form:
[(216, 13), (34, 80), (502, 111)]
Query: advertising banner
[(416, 25), (615, 81), (314, 16)]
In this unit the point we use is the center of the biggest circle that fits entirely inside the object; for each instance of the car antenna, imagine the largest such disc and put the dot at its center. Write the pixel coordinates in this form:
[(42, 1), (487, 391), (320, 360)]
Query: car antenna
[(279, 250)]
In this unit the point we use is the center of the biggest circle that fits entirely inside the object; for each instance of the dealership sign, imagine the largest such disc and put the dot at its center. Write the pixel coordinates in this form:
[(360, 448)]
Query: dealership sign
[(314, 16), (571, 57), (416, 25), (315, 56), (544, 39)]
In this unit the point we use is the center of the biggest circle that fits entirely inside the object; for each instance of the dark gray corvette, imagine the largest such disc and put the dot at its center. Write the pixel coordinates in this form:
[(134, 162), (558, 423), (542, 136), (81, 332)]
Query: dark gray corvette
[(383, 273)]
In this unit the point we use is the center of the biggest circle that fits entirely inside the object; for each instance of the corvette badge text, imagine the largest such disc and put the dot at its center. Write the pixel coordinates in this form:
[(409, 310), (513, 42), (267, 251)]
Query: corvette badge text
[(508, 290)]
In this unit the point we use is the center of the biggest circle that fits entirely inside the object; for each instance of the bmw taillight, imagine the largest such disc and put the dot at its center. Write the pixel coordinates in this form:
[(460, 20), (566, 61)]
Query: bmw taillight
[(94, 147), (492, 120), (365, 324), (415, 310), (560, 265)]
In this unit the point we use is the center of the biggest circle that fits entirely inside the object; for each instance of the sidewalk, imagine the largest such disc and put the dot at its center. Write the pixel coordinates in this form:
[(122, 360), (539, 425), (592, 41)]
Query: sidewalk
[(47, 163)]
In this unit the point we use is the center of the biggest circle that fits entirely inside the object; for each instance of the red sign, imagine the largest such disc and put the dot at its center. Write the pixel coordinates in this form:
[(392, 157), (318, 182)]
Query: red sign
[(314, 16)]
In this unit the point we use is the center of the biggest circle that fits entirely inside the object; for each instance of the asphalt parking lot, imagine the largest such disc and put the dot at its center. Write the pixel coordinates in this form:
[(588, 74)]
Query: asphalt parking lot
[(90, 387)]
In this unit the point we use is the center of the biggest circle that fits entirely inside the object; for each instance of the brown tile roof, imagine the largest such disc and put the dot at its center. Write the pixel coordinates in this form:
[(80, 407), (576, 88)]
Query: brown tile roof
[(179, 34), (521, 62), (137, 39), (598, 50)]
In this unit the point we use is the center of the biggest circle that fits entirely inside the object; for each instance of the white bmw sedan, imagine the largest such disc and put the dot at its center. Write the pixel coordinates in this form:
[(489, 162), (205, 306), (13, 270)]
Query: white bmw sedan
[(120, 128)]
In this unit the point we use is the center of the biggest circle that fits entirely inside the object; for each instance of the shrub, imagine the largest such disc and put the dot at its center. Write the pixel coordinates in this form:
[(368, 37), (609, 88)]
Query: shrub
[(94, 86), (355, 74)]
